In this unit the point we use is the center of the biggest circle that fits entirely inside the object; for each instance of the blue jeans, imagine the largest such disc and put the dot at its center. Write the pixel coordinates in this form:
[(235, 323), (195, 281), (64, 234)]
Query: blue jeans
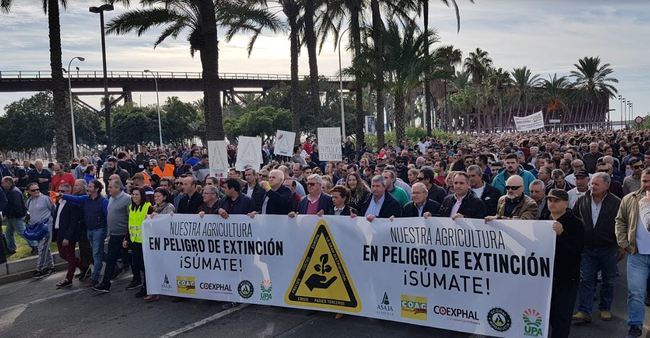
[(594, 260), (96, 237), (16, 225), (638, 267)]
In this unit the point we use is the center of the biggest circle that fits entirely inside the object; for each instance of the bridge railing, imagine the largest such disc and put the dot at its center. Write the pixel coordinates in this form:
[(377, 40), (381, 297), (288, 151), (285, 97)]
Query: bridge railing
[(93, 74)]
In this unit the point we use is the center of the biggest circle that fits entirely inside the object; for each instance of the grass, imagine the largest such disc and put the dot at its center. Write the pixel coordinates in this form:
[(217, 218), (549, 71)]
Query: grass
[(22, 248)]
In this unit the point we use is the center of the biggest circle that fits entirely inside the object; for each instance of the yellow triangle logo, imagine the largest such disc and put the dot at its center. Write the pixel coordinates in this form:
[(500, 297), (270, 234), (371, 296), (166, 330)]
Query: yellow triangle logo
[(322, 279)]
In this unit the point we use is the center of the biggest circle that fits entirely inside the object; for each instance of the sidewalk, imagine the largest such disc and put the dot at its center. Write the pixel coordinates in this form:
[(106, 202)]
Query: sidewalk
[(12, 271)]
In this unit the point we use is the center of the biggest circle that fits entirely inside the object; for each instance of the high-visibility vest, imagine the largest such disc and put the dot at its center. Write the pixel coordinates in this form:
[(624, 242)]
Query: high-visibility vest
[(136, 218), (169, 171)]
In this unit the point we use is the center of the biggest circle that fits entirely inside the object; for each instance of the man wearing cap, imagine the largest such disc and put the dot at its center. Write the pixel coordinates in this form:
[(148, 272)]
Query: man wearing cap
[(633, 182), (633, 235), (515, 205), (566, 268), (581, 188)]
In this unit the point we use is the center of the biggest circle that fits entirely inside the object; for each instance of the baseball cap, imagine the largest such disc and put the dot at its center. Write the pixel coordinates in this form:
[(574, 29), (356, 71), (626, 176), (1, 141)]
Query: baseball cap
[(559, 194), (581, 173)]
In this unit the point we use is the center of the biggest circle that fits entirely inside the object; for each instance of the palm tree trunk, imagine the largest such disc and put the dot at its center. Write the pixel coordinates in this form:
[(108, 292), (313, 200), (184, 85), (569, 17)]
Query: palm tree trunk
[(427, 79), (400, 123), (292, 15), (310, 37), (355, 30), (377, 36), (210, 66), (62, 132)]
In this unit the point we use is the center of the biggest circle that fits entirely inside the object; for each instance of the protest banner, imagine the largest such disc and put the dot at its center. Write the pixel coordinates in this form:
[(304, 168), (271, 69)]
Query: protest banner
[(530, 122), (492, 279), (329, 144), (218, 157), (284, 141), (249, 153)]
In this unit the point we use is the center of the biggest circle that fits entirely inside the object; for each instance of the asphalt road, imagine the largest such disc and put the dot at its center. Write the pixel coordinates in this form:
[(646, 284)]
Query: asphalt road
[(35, 308)]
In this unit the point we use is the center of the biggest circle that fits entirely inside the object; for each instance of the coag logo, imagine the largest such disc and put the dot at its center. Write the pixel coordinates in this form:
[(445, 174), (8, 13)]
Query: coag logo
[(186, 284), (456, 314), (499, 319), (216, 287), (413, 307), (532, 323)]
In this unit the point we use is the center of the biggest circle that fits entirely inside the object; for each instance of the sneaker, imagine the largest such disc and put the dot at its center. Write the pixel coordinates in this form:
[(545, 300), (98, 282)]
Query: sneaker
[(152, 298), (634, 332), (63, 284), (605, 315), (134, 285), (581, 317), (48, 272), (38, 274), (141, 293), (102, 288)]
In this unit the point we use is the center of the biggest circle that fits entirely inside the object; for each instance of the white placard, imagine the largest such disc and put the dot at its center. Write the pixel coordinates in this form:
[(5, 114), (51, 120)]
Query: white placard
[(329, 144), (457, 275), (284, 141), (249, 153), (218, 157), (530, 122)]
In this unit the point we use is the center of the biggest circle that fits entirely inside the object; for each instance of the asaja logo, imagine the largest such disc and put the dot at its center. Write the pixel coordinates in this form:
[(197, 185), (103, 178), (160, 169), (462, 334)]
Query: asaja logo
[(245, 289), (413, 307), (186, 284), (166, 284), (266, 292), (384, 307), (532, 323), (499, 319)]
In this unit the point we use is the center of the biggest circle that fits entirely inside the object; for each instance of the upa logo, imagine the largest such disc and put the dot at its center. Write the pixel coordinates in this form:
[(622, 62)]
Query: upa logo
[(384, 307), (166, 285), (186, 284), (532, 323), (499, 319), (413, 307), (266, 288)]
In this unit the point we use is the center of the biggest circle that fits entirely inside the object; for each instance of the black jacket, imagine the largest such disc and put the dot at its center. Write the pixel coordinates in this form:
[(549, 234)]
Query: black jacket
[(347, 210), (601, 235), (258, 196), (15, 204), (241, 206), (279, 201), (69, 223), (189, 205), (470, 207), (324, 203), (568, 248), (389, 208), (490, 199), (410, 210), (437, 193)]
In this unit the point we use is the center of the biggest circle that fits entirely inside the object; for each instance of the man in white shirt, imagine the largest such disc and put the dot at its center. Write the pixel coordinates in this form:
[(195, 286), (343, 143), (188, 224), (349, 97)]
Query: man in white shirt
[(581, 188)]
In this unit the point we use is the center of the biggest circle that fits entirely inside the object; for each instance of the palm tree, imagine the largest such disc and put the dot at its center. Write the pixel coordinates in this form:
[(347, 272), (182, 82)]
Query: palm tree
[(447, 57), (478, 63), (524, 80), (311, 41), (201, 19), (58, 86), (406, 59), (291, 9), (593, 80), (460, 80), (555, 92)]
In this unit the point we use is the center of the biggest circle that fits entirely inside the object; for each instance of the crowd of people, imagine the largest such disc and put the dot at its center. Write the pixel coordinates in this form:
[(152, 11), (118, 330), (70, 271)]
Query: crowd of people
[(594, 187)]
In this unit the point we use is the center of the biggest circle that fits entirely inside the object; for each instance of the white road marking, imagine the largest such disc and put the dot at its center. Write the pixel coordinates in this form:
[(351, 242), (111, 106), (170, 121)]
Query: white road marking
[(204, 321)]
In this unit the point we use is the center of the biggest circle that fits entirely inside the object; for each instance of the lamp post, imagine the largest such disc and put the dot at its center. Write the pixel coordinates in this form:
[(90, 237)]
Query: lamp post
[(341, 87), (107, 105), (74, 134), (624, 113), (155, 80), (620, 100)]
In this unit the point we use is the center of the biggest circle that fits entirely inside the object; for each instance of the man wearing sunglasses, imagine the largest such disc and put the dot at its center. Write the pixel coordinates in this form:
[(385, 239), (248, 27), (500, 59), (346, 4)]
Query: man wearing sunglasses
[(515, 205), (633, 182)]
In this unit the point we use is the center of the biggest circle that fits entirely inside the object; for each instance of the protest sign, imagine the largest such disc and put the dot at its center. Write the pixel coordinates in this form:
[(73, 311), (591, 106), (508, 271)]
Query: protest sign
[(457, 275), (530, 122), (284, 141), (329, 144), (218, 157), (249, 153)]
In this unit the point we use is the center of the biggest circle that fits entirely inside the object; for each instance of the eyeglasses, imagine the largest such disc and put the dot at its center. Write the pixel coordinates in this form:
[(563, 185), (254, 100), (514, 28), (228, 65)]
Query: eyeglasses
[(512, 187), (638, 166), (34, 190), (311, 183), (63, 191)]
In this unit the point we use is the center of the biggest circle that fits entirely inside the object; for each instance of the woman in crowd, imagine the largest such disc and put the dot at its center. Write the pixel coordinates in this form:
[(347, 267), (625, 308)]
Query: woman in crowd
[(39, 210), (138, 211), (90, 173), (359, 190), (162, 205)]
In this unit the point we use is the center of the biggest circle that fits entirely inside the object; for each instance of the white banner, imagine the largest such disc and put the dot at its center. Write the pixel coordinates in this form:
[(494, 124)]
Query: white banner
[(491, 279), (329, 144), (249, 153), (284, 141), (530, 122), (218, 157)]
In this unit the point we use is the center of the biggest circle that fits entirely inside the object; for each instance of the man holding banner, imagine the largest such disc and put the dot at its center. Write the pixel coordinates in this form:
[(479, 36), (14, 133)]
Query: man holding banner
[(278, 197), (380, 204)]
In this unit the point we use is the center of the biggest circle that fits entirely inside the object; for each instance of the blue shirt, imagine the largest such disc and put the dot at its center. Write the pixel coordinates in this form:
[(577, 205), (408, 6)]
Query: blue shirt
[(95, 210), (375, 207)]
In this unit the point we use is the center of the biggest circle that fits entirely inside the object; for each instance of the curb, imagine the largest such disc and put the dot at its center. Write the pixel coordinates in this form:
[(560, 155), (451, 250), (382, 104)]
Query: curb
[(13, 271)]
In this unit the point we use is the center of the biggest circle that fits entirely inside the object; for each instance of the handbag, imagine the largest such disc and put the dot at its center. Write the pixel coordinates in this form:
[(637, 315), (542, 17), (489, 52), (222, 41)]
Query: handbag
[(36, 231)]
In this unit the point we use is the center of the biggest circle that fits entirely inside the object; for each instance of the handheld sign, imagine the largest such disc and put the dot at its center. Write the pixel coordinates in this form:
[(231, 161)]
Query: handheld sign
[(249, 153), (329, 144), (284, 143), (218, 156)]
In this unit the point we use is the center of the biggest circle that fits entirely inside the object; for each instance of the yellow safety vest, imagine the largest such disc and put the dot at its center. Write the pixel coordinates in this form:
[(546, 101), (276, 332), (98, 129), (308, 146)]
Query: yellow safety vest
[(136, 218)]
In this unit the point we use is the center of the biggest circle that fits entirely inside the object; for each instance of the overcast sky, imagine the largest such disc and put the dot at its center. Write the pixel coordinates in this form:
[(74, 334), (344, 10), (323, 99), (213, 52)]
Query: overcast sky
[(547, 36)]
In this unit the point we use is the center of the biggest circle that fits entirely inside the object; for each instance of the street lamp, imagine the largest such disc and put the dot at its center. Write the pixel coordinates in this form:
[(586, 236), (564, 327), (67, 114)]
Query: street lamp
[(107, 105), (74, 134), (341, 86), (155, 80), (623, 112)]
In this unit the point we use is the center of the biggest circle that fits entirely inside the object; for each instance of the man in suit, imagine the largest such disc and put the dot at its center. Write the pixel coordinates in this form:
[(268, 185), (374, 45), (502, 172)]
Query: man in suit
[(380, 204), (65, 231), (316, 202), (462, 203), (340, 197), (277, 200), (253, 189), (421, 205), (426, 176), (487, 193)]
